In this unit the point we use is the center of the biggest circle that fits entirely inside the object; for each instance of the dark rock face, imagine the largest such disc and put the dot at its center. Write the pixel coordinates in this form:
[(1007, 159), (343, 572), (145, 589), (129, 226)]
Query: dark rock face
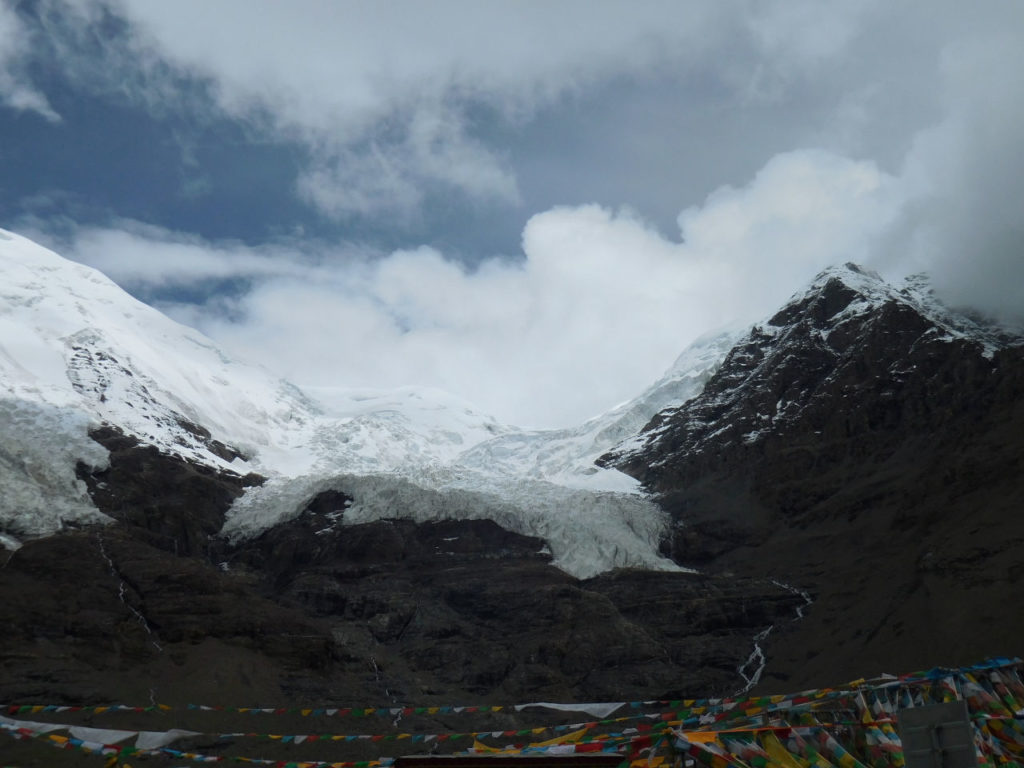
[(180, 505), (468, 608), (316, 611), (852, 447), (98, 615)]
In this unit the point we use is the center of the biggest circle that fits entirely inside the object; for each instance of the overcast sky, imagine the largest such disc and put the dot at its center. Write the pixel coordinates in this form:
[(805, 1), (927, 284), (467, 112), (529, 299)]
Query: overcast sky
[(534, 205)]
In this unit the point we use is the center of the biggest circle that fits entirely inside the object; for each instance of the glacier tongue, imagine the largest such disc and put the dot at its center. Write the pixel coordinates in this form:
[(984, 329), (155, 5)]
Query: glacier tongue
[(426, 455), (587, 532)]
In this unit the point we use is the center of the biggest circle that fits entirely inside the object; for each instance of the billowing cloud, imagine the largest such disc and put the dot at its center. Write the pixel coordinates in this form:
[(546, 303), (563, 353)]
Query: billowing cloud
[(881, 133), (596, 308), (966, 176), (16, 89)]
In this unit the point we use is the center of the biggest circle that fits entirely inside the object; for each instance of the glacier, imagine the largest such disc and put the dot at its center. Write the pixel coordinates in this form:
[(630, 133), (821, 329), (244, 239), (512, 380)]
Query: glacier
[(77, 352)]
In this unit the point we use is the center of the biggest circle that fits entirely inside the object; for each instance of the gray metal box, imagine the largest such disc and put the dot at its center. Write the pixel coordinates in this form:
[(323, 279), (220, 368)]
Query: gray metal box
[(938, 736)]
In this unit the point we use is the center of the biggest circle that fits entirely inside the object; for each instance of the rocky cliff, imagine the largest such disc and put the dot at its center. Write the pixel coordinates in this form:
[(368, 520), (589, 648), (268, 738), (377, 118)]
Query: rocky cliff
[(384, 612), (866, 445)]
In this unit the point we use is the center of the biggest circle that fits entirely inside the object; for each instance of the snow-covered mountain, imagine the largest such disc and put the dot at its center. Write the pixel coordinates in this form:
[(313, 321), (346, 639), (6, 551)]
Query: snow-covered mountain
[(846, 473), (76, 352), (865, 444), (787, 366)]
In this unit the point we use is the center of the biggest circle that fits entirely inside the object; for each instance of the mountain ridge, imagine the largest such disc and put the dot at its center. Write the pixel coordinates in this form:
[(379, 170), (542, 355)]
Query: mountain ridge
[(834, 301)]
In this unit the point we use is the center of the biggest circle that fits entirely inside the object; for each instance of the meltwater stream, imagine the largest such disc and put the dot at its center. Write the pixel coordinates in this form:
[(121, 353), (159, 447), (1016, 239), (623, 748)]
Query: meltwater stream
[(757, 656)]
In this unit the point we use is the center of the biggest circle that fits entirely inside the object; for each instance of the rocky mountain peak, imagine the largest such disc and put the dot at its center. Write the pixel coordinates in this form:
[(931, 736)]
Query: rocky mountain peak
[(849, 342), (865, 444), (832, 291)]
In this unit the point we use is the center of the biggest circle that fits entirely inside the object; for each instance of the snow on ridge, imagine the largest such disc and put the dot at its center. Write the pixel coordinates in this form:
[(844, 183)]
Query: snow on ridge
[(406, 425), (567, 456), (871, 292), (992, 335), (70, 337), (915, 291)]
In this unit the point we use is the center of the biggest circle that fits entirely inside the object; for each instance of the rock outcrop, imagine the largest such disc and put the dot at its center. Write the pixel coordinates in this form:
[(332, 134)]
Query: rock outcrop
[(387, 612), (867, 447)]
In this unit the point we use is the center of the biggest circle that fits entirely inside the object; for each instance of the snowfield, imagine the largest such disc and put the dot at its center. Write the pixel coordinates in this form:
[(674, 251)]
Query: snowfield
[(76, 352)]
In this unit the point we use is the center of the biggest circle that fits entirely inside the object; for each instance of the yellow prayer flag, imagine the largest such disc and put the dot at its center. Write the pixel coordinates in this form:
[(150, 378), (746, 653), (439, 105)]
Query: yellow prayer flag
[(568, 738), (479, 746), (700, 737), (648, 762), (779, 754)]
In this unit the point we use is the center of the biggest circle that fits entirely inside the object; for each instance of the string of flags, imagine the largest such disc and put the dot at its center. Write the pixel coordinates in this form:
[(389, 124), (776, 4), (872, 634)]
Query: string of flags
[(849, 727), (391, 712), (572, 744), (384, 712), (152, 738)]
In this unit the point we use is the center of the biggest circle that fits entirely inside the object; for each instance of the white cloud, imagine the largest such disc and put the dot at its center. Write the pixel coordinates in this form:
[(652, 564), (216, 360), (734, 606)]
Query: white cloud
[(137, 255), (796, 37), (597, 308), (381, 90), (387, 96), (966, 175), (16, 89), (381, 178), (803, 211)]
